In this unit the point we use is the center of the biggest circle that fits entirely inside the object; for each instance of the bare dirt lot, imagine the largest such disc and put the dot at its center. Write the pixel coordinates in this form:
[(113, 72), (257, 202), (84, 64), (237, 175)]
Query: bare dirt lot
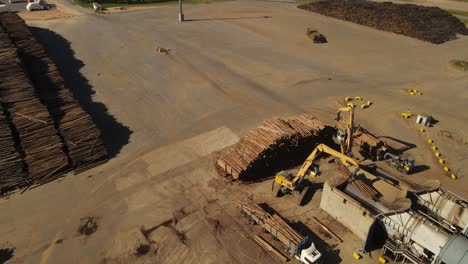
[(231, 65)]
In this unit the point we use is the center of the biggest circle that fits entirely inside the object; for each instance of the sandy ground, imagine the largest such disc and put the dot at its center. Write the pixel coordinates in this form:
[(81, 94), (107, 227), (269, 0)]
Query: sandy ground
[(231, 65)]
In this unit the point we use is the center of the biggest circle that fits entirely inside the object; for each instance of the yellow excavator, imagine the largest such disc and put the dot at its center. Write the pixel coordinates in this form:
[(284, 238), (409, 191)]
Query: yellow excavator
[(344, 137), (285, 182)]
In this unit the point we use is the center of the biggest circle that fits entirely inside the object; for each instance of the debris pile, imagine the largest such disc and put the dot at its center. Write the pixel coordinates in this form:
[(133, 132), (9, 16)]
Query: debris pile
[(430, 24), (40, 118), (315, 36), (278, 144)]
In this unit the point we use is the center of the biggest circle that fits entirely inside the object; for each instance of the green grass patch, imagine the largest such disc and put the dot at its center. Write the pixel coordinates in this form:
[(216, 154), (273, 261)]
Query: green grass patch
[(460, 64), (131, 3), (308, 1), (458, 12)]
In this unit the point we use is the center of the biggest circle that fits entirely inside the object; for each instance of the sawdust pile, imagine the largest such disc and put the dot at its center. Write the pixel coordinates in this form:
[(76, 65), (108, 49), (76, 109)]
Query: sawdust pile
[(430, 24)]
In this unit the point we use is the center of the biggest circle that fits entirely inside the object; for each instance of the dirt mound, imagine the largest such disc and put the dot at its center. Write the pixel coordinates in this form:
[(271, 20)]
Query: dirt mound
[(430, 24)]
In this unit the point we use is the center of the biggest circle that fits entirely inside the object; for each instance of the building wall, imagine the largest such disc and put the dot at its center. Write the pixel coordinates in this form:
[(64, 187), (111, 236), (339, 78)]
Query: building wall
[(347, 211)]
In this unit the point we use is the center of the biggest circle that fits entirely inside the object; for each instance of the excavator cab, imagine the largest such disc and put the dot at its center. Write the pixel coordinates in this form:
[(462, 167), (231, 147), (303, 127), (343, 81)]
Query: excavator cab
[(340, 137)]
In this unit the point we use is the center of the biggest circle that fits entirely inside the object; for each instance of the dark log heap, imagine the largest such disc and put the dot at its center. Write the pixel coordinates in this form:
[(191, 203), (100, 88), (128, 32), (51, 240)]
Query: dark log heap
[(278, 144), (41, 123), (430, 24)]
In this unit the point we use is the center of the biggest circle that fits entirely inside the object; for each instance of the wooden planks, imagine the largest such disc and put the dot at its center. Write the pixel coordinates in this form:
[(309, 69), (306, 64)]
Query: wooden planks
[(272, 223), (265, 244), (277, 144)]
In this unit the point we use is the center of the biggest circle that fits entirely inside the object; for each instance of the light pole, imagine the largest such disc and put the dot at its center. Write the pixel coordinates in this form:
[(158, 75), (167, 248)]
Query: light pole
[(181, 15)]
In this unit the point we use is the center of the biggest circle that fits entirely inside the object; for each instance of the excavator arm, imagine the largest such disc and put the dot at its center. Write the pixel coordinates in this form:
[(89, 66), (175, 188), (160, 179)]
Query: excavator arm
[(346, 147), (326, 149)]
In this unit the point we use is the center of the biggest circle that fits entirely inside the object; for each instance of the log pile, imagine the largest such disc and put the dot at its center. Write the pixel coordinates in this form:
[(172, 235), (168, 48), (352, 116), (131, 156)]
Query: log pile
[(39, 140), (44, 132), (430, 24), (278, 144), (370, 147), (10, 159), (272, 223), (79, 132)]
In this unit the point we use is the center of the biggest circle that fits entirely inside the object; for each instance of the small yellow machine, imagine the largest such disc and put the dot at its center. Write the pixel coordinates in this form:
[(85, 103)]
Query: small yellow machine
[(285, 182)]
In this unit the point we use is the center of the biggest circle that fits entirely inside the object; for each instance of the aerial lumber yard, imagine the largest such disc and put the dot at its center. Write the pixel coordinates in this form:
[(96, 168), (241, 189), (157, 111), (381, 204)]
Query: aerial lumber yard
[(244, 131)]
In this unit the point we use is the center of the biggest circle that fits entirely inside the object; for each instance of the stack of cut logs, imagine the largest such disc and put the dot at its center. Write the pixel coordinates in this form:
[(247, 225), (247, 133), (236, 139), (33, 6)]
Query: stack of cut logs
[(272, 223), (370, 147), (278, 144), (41, 123), (366, 190)]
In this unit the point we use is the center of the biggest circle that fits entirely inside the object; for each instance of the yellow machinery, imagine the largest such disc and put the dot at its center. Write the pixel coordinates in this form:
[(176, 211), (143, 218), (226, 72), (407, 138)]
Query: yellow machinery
[(344, 137), (298, 185)]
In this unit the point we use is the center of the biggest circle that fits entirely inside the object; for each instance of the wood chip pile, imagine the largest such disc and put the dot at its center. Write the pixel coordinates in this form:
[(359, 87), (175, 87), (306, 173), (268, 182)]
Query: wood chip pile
[(430, 24), (50, 131), (278, 144)]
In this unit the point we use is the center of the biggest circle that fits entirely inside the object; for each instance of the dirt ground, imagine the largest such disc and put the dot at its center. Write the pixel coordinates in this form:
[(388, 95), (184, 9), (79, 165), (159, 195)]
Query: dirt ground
[(231, 65)]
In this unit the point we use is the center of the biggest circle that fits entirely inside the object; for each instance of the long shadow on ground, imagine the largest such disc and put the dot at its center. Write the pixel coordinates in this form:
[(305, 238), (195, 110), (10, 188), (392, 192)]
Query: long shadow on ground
[(114, 134)]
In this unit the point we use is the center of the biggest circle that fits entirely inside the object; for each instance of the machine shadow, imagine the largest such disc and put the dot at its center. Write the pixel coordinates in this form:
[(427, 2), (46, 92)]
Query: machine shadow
[(114, 134), (6, 254)]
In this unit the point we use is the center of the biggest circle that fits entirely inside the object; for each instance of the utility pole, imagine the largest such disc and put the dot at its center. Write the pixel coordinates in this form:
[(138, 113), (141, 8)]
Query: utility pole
[(181, 14)]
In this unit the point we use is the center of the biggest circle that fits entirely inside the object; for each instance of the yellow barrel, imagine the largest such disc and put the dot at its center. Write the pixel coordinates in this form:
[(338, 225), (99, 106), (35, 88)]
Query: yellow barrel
[(356, 256)]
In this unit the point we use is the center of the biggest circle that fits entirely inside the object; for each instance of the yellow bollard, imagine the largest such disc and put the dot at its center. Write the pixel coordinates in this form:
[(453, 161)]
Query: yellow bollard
[(421, 130), (437, 154), (453, 176), (406, 115), (441, 161), (382, 260), (446, 169), (430, 141), (356, 256), (434, 147)]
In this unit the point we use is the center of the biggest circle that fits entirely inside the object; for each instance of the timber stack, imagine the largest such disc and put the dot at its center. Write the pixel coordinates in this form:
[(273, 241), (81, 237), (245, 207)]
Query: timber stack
[(42, 124), (271, 222), (278, 144), (370, 147)]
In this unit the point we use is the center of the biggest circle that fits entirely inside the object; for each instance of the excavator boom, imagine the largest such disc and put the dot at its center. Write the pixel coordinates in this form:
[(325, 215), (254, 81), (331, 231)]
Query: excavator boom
[(319, 149), (346, 147)]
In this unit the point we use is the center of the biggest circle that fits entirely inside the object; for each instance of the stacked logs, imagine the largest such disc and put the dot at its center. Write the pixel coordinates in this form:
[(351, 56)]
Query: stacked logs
[(39, 140), (370, 147), (272, 223), (79, 133), (278, 144), (44, 132), (10, 159)]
